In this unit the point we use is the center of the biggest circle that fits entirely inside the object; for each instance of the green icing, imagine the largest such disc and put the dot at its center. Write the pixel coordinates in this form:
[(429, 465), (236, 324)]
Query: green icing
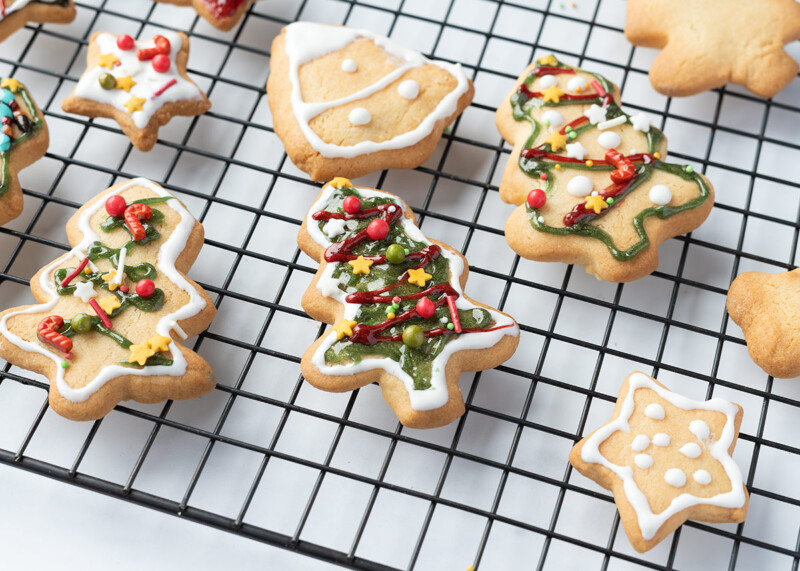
[(36, 121), (121, 340)]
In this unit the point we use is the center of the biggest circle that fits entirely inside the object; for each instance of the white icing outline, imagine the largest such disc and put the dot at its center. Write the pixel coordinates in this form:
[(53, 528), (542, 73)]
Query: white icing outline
[(437, 395), (167, 256)]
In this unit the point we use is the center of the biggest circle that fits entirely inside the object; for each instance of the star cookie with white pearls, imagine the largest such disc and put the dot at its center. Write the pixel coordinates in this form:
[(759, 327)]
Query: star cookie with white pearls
[(16, 13), (582, 199), (667, 459), (141, 84), (347, 102), (222, 14)]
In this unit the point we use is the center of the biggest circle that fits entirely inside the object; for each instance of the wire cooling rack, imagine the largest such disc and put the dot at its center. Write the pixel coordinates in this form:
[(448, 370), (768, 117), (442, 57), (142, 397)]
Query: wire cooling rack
[(334, 477)]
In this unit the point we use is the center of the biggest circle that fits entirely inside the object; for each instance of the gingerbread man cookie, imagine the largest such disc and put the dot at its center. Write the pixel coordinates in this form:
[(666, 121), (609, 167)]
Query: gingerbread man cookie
[(14, 14), (23, 141), (140, 84), (592, 181), (396, 301), (348, 102), (767, 309), (708, 43), (667, 459), (222, 14), (112, 312)]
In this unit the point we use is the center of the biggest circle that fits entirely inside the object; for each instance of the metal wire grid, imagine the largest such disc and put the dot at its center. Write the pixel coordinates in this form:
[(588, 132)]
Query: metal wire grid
[(609, 553)]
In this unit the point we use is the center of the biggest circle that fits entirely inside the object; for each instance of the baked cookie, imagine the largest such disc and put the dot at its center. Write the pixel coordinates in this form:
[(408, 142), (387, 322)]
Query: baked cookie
[(348, 102), (108, 308), (667, 459), (395, 300), (23, 141), (709, 43), (14, 14), (222, 14), (592, 180), (140, 84), (767, 309)]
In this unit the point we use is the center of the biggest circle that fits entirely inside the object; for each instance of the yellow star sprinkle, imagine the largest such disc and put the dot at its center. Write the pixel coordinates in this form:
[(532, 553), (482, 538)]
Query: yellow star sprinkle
[(552, 93), (340, 181), (344, 328), (596, 203), (360, 265), (548, 60), (108, 277), (125, 83), (418, 277), (140, 353), (107, 60), (11, 84), (556, 141), (134, 104), (159, 343), (109, 303)]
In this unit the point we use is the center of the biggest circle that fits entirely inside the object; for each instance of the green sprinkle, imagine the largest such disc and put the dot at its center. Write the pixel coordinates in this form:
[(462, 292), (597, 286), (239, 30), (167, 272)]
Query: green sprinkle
[(64, 364), (609, 200), (450, 326), (572, 134), (547, 122), (568, 129), (689, 169), (395, 306), (407, 251)]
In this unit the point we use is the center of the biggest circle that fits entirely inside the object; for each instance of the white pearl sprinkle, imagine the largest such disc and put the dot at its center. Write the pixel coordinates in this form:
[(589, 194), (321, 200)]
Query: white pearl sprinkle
[(349, 66), (660, 194)]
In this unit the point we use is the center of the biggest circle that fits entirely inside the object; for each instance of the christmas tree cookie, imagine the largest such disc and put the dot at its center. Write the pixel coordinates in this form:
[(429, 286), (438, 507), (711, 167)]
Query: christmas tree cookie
[(667, 459), (347, 102), (396, 302), (222, 14), (113, 311), (592, 181), (140, 84), (14, 14), (23, 141)]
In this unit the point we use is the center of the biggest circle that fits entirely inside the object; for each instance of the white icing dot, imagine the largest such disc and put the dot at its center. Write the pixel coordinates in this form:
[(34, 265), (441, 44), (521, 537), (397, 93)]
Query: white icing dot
[(691, 450), (391, 208), (640, 442), (349, 66), (700, 429), (609, 140), (552, 118), (409, 89), (580, 185), (547, 81), (675, 477), (541, 219), (660, 194), (655, 411), (661, 439), (643, 461), (702, 477), (359, 116), (576, 84)]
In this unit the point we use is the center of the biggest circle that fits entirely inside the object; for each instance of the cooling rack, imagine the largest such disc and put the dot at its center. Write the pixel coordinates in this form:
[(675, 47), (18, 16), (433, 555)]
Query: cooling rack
[(334, 477)]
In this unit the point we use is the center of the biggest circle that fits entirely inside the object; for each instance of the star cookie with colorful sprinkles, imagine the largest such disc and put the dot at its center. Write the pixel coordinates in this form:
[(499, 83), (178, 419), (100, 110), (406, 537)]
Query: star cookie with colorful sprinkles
[(348, 102), (591, 181), (399, 314), (667, 459), (141, 84), (14, 14), (113, 311), (222, 14), (23, 141)]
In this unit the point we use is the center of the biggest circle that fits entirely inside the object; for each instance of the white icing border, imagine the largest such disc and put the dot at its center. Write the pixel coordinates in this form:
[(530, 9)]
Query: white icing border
[(167, 256), (437, 395)]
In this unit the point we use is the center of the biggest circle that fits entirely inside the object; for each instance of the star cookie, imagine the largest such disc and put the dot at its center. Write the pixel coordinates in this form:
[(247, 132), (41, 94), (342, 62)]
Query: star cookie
[(710, 43), (667, 459), (222, 14), (591, 181), (347, 102), (16, 13), (767, 308), (140, 84)]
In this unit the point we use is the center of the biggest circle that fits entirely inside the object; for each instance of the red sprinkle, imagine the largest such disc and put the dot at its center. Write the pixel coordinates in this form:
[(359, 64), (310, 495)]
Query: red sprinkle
[(351, 204), (162, 47), (74, 273), (396, 299), (543, 176), (101, 314), (125, 42), (425, 307), (451, 303), (166, 86), (161, 63), (115, 205), (378, 229), (133, 214), (48, 333), (124, 289), (536, 198), (145, 288), (69, 356)]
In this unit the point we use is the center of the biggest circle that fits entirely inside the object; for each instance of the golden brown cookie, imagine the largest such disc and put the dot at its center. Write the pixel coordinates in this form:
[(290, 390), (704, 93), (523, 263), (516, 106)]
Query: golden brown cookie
[(16, 13), (767, 308), (113, 311), (709, 43), (592, 181), (140, 84), (222, 14), (347, 102), (667, 459), (23, 141), (396, 302)]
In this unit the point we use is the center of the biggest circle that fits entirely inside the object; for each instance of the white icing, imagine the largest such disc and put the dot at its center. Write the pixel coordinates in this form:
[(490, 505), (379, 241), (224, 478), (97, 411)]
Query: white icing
[(649, 522), (167, 256), (612, 122), (580, 185), (306, 41), (702, 477), (117, 279), (334, 227), (609, 140), (577, 84), (552, 118), (700, 429), (691, 450), (547, 81), (437, 395), (19, 4), (349, 66), (360, 116), (661, 439), (408, 89), (595, 114), (148, 81), (84, 290), (576, 151), (640, 442), (675, 477), (641, 122), (660, 194), (643, 461), (655, 411)]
